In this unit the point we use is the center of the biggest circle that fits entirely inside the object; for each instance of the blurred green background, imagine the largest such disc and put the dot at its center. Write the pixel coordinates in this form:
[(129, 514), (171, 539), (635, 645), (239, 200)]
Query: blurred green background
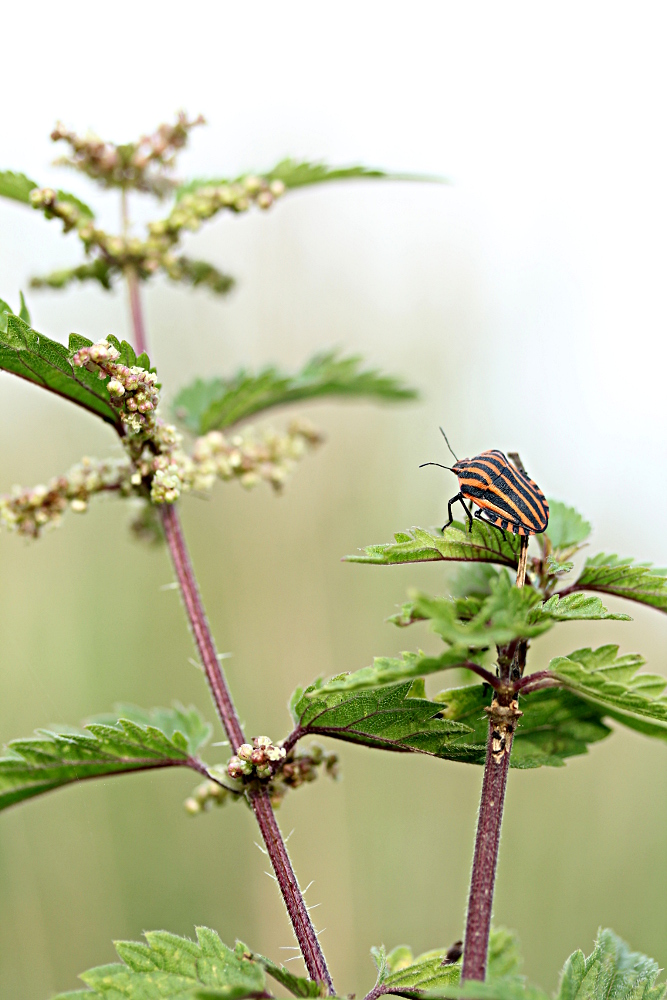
[(531, 316)]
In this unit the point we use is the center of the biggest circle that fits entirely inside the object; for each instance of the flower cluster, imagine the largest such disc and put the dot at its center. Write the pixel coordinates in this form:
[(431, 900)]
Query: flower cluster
[(278, 774), (145, 165), (204, 202), (139, 165), (210, 792), (252, 458), (29, 511), (301, 767), (255, 760), (162, 477), (156, 253), (132, 390), (159, 469), (46, 200), (162, 463)]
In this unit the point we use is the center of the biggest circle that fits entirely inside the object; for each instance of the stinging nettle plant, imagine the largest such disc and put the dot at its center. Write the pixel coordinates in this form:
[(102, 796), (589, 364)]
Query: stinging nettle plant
[(507, 716)]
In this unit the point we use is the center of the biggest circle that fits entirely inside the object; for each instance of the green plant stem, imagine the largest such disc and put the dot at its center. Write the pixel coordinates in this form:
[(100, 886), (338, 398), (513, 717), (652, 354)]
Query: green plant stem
[(503, 715), (260, 802)]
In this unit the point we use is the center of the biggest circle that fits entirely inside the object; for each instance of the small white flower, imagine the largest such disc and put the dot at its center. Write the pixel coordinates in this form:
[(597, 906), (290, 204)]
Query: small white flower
[(115, 388)]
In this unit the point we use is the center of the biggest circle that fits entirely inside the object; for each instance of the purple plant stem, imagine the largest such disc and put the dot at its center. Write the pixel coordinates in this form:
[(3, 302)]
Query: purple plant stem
[(261, 804), (536, 678), (199, 624), (289, 887), (502, 722), (140, 342), (486, 675), (543, 685), (480, 903)]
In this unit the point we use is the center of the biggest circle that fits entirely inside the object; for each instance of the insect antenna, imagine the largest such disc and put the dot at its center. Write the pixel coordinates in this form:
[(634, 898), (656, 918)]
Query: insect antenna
[(448, 444), (424, 464)]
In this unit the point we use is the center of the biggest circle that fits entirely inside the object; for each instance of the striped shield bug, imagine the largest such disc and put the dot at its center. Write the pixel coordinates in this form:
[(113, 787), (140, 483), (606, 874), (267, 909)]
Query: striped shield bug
[(505, 496)]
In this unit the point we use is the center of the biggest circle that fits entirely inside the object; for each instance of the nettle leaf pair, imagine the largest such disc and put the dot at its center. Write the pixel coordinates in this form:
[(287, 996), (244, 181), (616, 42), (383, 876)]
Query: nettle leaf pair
[(206, 408), (564, 706)]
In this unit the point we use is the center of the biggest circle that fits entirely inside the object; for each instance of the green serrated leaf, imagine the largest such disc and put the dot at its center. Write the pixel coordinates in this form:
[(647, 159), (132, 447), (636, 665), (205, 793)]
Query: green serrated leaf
[(16, 186), (97, 270), (379, 956), (640, 582), (484, 544), (296, 985), (170, 721), (558, 567), (199, 272), (424, 973), (387, 718), (408, 615), (507, 613), (575, 607), (109, 745), (612, 683), (219, 403), (398, 958), (401, 974), (72, 199), (45, 362), (566, 526), (24, 312), (389, 669), (515, 988), (473, 580), (127, 355), (611, 972), (170, 966), (301, 173), (555, 725)]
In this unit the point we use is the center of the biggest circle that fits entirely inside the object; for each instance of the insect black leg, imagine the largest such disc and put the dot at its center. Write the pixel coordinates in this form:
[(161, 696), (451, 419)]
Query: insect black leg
[(459, 496), (479, 514)]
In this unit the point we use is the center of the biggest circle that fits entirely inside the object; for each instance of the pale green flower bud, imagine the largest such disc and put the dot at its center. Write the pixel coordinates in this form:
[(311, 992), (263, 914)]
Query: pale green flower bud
[(115, 388)]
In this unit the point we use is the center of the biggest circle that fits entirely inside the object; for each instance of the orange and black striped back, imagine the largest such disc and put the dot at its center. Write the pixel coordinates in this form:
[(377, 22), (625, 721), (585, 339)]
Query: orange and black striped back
[(509, 499)]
